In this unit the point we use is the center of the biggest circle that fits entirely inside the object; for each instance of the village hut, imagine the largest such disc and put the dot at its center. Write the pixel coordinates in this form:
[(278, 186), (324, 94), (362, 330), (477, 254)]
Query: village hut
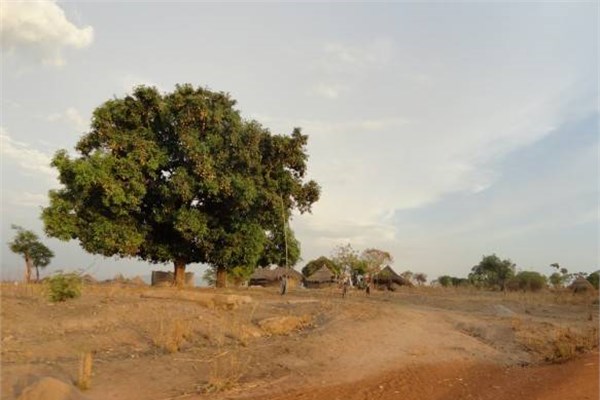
[(272, 276), (388, 279), (321, 278), (581, 285)]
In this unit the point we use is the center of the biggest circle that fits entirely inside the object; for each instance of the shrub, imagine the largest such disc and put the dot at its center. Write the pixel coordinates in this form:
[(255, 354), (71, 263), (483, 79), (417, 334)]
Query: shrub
[(64, 286), (593, 278), (529, 281)]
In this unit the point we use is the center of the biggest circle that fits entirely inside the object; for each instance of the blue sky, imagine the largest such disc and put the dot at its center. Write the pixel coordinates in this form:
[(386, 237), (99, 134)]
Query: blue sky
[(439, 132)]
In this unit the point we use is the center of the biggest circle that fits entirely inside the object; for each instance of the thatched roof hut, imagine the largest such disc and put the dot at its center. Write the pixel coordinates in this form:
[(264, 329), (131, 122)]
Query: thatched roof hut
[(388, 278), (581, 285), (271, 277), (323, 277)]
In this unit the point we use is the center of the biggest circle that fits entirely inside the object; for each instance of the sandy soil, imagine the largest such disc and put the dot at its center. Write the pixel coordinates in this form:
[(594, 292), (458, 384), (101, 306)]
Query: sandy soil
[(418, 343)]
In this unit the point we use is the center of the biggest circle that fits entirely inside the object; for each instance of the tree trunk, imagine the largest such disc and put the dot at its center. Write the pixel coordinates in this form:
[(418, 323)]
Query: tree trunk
[(221, 277), (27, 269), (37, 273), (179, 277)]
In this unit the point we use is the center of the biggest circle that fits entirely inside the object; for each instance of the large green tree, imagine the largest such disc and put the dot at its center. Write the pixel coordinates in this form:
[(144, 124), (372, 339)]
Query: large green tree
[(179, 177), (493, 272), (36, 254)]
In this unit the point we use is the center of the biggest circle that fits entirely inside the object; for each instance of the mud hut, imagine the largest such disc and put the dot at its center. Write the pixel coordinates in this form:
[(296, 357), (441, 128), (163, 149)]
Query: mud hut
[(323, 277), (388, 279), (581, 285), (162, 278), (271, 277)]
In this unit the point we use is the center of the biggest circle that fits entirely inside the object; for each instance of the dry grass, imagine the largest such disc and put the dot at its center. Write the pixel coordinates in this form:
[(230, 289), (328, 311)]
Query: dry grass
[(557, 344), (225, 373), (554, 296), (286, 324), (170, 335), (84, 377), (23, 290)]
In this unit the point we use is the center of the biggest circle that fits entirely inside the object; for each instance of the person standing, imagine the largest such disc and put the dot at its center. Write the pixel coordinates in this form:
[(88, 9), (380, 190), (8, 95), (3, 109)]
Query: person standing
[(283, 284)]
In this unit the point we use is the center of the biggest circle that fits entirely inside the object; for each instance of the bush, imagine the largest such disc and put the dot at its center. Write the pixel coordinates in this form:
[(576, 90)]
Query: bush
[(528, 281), (593, 278), (64, 286)]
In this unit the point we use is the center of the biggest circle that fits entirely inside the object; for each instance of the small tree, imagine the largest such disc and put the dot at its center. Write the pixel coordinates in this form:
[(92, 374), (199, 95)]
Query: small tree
[(349, 261), (556, 280), (374, 260), (445, 280), (35, 253), (408, 275), (593, 278), (421, 278), (493, 272), (528, 281), (561, 277)]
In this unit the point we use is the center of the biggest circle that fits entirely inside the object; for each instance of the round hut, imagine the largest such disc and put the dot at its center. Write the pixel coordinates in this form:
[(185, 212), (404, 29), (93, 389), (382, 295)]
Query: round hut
[(581, 285), (388, 279), (321, 278), (271, 277)]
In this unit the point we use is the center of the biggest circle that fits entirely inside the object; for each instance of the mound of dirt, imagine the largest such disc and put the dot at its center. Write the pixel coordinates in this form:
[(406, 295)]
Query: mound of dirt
[(285, 325), (48, 388), (209, 300)]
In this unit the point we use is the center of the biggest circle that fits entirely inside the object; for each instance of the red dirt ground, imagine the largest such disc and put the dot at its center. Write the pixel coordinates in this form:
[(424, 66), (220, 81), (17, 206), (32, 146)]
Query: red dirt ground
[(574, 380)]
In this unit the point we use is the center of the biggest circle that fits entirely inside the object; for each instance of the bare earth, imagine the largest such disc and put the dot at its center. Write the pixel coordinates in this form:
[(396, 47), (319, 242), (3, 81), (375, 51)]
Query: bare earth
[(419, 343)]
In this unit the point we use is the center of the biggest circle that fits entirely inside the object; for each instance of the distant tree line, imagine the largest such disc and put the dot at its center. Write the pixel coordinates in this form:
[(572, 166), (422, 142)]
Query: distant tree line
[(497, 274)]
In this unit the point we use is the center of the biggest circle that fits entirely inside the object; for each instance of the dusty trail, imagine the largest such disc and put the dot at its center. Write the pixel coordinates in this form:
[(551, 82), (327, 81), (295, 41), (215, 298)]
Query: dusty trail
[(421, 344), (575, 380)]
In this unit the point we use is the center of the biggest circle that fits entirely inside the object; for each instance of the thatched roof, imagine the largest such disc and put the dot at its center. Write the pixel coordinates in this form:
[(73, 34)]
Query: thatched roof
[(274, 274), (581, 284), (388, 275), (323, 274)]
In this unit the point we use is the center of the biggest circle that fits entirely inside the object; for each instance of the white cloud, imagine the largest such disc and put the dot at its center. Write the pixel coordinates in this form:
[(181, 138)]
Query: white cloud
[(29, 160), (70, 116), (371, 167), (41, 30)]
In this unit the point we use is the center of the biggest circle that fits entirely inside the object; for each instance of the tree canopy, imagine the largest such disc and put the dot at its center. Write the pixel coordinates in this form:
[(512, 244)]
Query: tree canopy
[(180, 177), (492, 272), (528, 281), (375, 259), (36, 254)]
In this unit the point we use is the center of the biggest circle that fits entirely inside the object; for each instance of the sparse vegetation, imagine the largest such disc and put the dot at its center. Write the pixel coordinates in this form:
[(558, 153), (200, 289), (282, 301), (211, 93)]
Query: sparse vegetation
[(528, 281), (84, 377), (557, 344), (170, 334), (35, 253), (593, 278), (64, 286), (226, 371)]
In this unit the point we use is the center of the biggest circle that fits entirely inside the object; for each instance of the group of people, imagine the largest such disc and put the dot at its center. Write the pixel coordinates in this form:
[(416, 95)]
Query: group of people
[(364, 282), (345, 283)]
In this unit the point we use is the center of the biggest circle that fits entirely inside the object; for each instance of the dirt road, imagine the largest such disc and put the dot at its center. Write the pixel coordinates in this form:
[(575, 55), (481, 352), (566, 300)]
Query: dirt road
[(574, 380), (413, 344)]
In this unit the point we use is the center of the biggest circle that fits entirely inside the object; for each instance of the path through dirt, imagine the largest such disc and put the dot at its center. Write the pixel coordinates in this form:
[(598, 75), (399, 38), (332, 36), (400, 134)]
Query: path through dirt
[(575, 380)]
